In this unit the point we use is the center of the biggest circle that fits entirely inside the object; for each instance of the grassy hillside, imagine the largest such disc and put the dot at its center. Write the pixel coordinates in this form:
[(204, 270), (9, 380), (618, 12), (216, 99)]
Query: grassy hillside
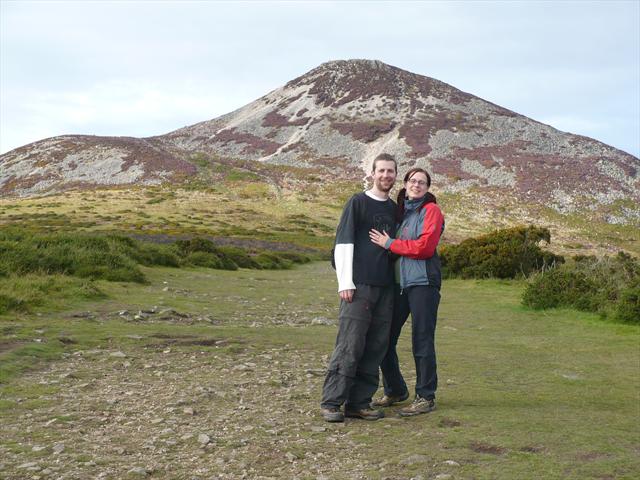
[(251, 202), (201, 373)]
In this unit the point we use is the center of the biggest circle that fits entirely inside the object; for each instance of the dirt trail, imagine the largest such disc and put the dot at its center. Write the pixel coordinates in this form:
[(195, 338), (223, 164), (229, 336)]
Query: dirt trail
[(236, 411)]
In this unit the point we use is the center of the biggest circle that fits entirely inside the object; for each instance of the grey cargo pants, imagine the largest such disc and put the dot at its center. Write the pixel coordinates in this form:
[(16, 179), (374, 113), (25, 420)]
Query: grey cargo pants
[(363, 338)]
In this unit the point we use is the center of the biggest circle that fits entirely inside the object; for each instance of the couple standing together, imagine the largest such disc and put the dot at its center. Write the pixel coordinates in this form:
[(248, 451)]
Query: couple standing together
[(378, 292)]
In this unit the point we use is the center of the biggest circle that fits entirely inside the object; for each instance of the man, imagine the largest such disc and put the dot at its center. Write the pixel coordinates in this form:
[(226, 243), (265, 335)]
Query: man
[(365, 286)]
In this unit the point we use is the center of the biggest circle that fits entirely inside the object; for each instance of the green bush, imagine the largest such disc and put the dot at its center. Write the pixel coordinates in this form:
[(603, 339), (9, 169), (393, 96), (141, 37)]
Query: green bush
[(561, 287), (204, 253), (22, 292), (508, 253), (295, 257), (272, 261), (240, 257), (92, 256), (209, 260), (607, 285), (628, 307), (117, 257)]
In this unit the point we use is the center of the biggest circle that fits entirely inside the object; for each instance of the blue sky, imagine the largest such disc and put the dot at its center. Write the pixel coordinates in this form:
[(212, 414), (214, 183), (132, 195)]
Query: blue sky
[(143, 68)]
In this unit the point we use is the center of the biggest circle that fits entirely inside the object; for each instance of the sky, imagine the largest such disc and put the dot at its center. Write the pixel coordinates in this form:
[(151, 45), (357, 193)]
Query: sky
[(143, 68)]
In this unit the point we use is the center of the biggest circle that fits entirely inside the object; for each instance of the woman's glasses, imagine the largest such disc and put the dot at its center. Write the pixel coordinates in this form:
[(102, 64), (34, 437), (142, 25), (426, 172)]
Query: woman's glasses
[(421, 183)]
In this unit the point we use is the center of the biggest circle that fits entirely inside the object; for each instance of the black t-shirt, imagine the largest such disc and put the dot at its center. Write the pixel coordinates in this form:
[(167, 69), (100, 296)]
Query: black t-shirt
[(371, 263)]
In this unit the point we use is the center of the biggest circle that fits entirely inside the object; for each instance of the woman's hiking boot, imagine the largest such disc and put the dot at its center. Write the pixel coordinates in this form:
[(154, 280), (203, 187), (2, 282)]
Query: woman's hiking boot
[(419, 405)]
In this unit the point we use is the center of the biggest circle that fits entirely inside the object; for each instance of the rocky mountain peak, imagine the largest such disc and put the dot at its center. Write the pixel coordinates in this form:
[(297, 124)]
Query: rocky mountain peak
[(338, 117)]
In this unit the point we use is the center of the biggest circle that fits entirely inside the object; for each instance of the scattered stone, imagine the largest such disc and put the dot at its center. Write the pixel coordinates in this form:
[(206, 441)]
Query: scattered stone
[(118, 354), (135, 337), (37, 448), (450, 381), (414, 459), (291, 457), (317, 429), (58, 448), (444, 476), (139, 471), (156, 421), (322, 321), (204, 439), (451, 463), (24, 466), (122, 313), (188, 411)]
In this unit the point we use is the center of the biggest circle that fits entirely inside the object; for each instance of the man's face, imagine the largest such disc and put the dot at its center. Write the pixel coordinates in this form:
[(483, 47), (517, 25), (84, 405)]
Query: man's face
[(384, 175)]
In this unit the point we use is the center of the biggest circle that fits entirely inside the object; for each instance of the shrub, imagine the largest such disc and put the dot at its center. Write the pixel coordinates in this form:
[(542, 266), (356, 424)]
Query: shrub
[(508, 253), (294, 257), (209, 260), (22, 292), (90, 256), (561, 287), (240, 257), (272, 261), (628, 307), (604, 285), (204, 253)]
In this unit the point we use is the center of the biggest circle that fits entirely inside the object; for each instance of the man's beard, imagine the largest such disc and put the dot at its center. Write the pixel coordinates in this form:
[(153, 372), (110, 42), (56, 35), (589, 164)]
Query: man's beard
[(382, 187)]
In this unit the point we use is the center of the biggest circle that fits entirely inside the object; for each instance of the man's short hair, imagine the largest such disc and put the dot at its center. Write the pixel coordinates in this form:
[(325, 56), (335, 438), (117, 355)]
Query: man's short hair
[(384, 157)]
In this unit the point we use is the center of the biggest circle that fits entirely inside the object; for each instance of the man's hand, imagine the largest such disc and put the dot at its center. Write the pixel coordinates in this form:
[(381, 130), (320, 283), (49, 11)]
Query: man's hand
[(347, 295)]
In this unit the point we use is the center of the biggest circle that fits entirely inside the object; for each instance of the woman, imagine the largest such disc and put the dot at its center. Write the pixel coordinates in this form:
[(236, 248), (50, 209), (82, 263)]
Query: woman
[(418, 292)]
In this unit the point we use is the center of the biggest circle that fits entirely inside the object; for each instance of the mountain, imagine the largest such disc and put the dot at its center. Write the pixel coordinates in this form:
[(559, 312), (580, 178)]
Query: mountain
[(337, 118)]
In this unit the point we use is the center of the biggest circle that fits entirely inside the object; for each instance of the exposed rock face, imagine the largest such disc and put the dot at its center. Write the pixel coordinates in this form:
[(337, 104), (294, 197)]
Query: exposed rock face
[(341, 115), (60, 163)]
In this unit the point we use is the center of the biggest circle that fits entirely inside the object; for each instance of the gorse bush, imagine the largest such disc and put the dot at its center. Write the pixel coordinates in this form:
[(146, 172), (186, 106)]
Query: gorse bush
[(35, 257), (204, 253), (108, 257), (508, 253), (628, 306), (607, 285), (117, 258)]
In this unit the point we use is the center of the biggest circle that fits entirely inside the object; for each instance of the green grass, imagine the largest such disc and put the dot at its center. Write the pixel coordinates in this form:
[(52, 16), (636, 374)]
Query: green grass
[(523, 394)]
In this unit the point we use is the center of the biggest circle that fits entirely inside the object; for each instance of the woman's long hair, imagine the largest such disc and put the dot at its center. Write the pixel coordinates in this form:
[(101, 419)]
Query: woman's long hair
[(402, 194)]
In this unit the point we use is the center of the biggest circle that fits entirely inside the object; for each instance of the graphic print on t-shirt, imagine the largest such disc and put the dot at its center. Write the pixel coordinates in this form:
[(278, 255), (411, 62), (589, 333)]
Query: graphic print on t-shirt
[(382, 222)]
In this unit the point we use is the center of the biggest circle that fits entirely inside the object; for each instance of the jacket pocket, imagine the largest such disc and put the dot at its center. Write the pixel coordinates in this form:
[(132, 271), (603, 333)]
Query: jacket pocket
[(414, 272)]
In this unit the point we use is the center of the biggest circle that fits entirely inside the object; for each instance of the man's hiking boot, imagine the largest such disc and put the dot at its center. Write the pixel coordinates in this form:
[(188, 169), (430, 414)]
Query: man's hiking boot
[(332, 414), (365, 414), (389, 400), (419, 405)]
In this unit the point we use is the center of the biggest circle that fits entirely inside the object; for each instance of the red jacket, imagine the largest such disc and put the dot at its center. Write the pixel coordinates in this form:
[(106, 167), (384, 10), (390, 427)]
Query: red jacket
[(419, 241)]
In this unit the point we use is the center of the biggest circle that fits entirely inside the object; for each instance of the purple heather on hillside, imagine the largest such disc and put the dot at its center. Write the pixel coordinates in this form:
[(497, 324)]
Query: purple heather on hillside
[(340, 115)]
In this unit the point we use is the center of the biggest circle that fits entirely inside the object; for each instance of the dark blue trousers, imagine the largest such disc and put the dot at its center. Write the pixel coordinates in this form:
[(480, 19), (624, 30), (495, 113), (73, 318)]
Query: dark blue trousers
[(422, 302)]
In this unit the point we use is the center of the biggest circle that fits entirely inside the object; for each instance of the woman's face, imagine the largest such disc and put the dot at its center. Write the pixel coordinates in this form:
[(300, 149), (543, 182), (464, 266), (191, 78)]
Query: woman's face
[(416, 186)]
